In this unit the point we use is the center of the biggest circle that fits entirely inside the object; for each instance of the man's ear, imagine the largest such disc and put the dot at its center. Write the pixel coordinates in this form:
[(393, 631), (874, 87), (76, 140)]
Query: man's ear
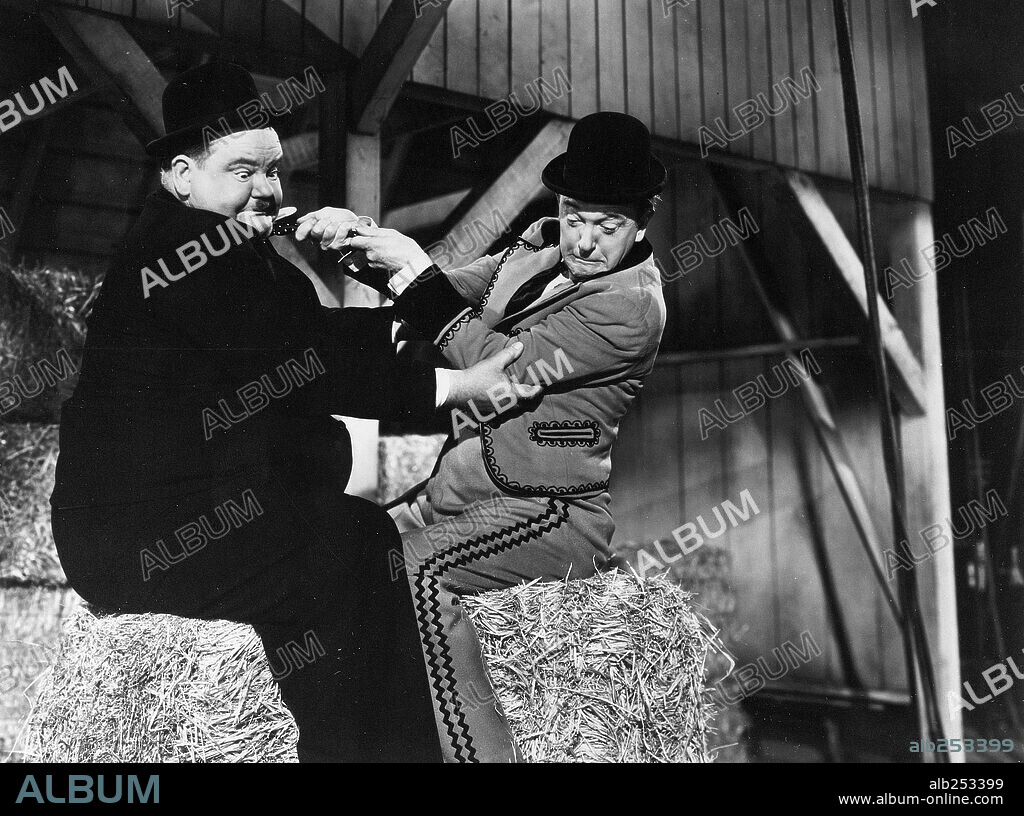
[(640, 233), (181, 175)]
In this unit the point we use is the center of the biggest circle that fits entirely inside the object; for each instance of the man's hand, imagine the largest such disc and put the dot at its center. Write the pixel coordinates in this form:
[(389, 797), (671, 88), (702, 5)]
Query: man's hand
[(390, 251), (329, 225), (489, 381)]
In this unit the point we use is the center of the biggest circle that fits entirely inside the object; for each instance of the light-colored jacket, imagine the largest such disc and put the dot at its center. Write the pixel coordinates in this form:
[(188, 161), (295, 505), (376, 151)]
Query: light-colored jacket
[(590, 343)]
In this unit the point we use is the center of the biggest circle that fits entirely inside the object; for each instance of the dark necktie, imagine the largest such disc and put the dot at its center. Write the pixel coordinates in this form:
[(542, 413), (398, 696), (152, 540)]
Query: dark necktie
[(532, 289)]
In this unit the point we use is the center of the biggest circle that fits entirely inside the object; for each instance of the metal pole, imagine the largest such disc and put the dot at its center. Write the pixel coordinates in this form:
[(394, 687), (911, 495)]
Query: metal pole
[(919, 669)]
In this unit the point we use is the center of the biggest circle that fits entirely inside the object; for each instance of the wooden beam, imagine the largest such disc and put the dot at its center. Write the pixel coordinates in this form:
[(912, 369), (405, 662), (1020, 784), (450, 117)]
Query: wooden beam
[(362, 196), (925, 460), (423, 214), (92, 91), (110, 55), (389, 59), (331, 149), (759, 350), (516, 187), (810, 209)]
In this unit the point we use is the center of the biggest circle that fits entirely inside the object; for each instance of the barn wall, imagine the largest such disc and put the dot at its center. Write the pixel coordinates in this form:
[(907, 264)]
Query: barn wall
[(675, 64), (694, 65), (666, 475)]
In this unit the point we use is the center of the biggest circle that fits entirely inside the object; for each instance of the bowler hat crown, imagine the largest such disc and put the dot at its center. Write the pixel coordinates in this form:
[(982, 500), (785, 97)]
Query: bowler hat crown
[(216, 96), (608, 161)]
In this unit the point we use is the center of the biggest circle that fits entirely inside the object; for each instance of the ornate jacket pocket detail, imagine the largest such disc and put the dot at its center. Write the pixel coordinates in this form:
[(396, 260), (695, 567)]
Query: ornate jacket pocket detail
[(584, 433)]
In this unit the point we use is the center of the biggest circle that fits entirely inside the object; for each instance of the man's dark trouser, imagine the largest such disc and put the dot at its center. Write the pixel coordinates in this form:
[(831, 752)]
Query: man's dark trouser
[(311, 568)]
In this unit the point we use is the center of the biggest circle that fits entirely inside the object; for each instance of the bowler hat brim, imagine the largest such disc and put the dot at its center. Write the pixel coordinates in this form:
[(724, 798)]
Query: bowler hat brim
[(192, 135), (596, 190)]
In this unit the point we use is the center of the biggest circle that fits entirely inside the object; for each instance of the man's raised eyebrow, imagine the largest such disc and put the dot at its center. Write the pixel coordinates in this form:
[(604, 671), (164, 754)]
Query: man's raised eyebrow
[(250, 161)]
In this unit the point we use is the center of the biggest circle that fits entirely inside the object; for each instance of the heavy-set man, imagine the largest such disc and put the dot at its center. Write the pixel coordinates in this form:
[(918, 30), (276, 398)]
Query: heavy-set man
[(200, 471), (525, 495)]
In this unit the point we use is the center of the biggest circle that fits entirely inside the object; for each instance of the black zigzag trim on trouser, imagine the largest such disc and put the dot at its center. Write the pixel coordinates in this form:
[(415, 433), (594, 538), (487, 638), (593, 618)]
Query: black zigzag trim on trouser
[(435, 641)]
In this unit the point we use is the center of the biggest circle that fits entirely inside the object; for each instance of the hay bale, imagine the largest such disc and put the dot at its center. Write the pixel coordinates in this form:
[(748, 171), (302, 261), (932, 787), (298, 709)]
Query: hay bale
[(42, 315), (404, 462), (28, 456), (607, 668), (159, 688), (706, 572), (30, 623)]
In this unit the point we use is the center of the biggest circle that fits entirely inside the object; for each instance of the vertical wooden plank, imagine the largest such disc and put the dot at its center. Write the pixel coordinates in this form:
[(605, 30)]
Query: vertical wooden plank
[(627, 475), (702, 469), (789, 523), (881, 59), (925, 456), (697, 293), (524, 19), (906, 157), (747, 469), (802, 55), (362, 195), (583, 57), (880, 656), (554, 50), (429, 69), (801, 599), (326, 17), (760, 74), (922, 130), (688, 70), (736, 71), (638, 60), (713, 62), (664, 73), (610, 59), (834, 153), (461, 66), (359, 23), (493, 53), (784, 143), (860, 25), (659, 476)]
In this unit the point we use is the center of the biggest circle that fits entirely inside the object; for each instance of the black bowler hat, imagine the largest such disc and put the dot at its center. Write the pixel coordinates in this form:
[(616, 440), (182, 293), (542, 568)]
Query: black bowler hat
[(608, 161), (207, 96)]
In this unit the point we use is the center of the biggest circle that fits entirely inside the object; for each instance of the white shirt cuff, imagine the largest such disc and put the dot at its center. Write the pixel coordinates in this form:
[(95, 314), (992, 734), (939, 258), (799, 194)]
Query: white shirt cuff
[(401, 279), (444, 384)]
